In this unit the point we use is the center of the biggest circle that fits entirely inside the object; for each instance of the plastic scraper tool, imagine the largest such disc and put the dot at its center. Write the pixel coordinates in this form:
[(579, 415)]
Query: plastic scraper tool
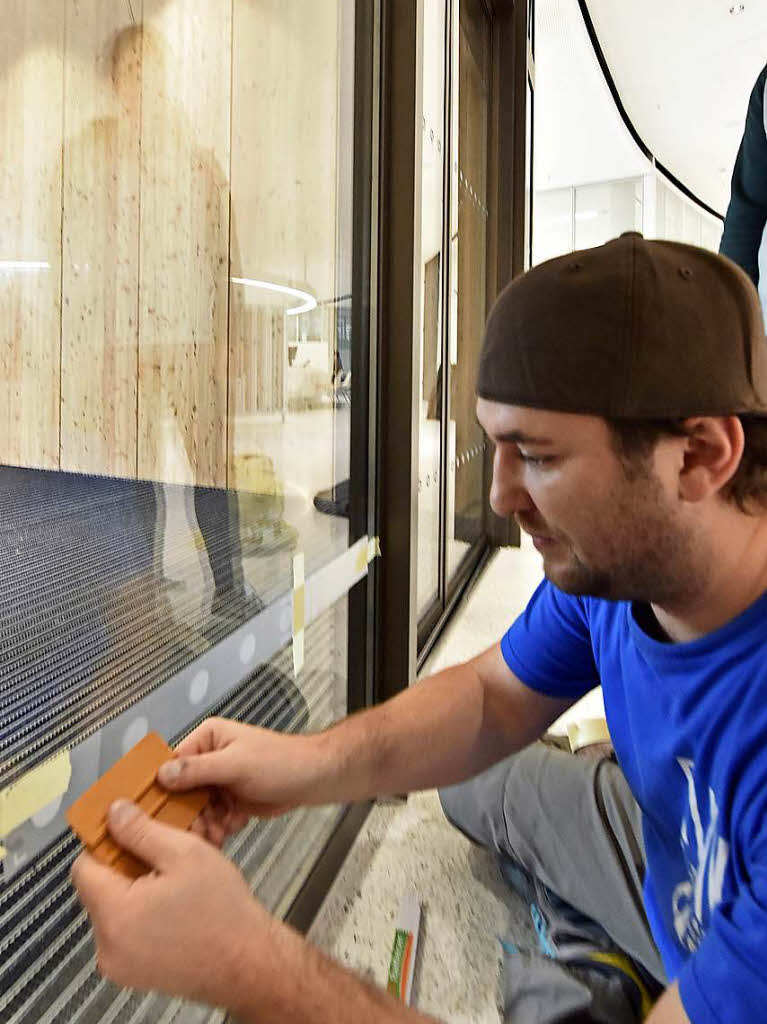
[(133, 777)]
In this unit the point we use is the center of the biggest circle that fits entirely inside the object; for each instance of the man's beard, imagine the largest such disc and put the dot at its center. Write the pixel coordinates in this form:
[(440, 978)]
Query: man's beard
[(641, 553)]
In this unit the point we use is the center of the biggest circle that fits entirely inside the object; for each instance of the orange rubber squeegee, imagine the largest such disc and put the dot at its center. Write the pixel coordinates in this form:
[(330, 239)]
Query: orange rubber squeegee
[(133, 777)]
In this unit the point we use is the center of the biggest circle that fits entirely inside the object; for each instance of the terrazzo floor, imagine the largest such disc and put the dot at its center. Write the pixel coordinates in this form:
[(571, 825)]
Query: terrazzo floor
[(409, 845)]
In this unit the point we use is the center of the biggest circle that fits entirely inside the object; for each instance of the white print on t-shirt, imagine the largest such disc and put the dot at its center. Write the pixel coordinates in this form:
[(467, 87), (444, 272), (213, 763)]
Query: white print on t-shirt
[(706, 855)]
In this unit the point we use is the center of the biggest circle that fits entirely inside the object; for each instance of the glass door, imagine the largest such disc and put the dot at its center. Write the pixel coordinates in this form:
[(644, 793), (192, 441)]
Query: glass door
[(454, 240), (433, 262), (186, 396), (468, 292)]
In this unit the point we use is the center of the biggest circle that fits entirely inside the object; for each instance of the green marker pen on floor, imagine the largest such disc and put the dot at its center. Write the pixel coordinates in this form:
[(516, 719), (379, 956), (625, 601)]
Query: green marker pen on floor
[(402, 963)]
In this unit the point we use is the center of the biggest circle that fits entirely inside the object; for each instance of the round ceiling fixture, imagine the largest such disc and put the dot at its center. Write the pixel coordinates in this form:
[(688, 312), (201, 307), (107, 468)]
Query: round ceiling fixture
[(737, 8)]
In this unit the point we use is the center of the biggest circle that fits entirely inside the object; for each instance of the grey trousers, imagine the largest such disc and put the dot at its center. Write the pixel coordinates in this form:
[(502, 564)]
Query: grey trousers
[(573, 826)]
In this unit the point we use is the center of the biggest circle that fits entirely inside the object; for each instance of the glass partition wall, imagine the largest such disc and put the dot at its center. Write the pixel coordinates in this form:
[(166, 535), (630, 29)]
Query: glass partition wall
[(181, 301)]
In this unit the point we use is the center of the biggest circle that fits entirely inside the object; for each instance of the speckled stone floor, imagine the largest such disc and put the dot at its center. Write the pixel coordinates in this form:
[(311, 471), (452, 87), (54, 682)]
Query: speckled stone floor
[(410, 845), (466, 906), (465, 910)]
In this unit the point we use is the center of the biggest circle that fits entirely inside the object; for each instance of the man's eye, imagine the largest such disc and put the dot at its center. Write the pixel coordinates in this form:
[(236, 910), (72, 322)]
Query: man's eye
[(536, 460)]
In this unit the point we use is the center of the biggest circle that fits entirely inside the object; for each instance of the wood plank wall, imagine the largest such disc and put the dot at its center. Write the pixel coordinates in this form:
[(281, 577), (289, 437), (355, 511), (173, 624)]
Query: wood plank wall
[(184, 257), (279, 207), (99, 373), (31, 105), (127, 142)]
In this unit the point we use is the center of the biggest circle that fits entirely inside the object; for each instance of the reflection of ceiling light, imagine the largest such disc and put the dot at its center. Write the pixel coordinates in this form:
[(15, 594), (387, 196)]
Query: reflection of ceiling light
[(8, 266), (587, 215), (737, 8), (308, 301)]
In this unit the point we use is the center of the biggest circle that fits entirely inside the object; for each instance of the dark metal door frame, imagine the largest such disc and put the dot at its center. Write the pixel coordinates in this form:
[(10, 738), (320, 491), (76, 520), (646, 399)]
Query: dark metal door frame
[(397, 654), (364, 510)]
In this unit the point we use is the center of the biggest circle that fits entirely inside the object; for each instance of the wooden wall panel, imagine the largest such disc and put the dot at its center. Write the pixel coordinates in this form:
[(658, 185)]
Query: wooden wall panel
[(31, 98), (184, 245), (99, 374), (284, 180)]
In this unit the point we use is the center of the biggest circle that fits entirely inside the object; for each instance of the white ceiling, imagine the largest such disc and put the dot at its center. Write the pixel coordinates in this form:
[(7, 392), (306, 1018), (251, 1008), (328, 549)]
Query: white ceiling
[(579, 134), (684, 70)]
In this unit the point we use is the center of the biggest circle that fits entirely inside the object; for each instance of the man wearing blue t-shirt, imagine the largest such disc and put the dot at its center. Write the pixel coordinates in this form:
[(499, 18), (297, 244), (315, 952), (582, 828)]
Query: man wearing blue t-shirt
[(610, 384), (625, 391)]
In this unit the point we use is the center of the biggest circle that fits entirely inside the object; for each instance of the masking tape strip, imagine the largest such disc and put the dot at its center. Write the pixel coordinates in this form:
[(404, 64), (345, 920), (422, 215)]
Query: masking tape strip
[(299, 612), (584, 733), (363, 557), (170, 708), (374, 548), (335, 579), (33, 791)]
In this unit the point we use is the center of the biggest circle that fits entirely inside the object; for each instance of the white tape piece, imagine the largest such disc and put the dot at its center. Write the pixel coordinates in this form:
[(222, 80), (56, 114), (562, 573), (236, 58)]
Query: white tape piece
[(299, 612), (587, 731)]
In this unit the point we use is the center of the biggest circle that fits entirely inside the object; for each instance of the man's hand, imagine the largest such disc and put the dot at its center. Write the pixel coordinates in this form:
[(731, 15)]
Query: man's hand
[(188, 928), (191, 928), (250, 771)]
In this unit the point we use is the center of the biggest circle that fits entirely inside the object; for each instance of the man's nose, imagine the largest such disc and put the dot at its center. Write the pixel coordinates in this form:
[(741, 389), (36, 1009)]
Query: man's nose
[(507, 495)]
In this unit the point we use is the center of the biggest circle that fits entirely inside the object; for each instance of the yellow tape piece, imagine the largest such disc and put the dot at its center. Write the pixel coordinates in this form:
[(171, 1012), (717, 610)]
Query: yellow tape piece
[(299, 609), (298, 570), (374, 548), (362, 556), (33, 791)]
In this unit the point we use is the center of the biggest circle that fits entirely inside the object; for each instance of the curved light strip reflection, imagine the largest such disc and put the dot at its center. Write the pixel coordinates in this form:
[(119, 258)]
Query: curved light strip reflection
[(6, 266), (308, 304)]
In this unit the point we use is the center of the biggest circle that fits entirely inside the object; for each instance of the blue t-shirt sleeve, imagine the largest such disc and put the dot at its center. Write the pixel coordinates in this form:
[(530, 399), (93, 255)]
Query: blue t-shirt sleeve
[(549, 646)]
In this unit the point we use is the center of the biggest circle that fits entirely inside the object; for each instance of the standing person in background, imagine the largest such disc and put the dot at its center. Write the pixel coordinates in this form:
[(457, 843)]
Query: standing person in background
[(745, 237)]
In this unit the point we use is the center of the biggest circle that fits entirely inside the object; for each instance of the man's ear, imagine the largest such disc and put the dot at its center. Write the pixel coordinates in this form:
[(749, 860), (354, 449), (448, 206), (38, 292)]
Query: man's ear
[(712, 453)]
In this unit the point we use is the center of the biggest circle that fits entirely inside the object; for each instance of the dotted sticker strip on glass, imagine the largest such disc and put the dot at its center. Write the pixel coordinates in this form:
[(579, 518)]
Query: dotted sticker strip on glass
[(104, 713)]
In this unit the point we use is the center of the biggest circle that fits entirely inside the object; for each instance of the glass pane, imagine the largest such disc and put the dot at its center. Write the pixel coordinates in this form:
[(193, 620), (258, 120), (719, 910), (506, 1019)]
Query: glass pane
[(432, 264), (669, 214), (553, 235), (691, 224), (468, 233), (604, 211), (710, 232), (175, 390)]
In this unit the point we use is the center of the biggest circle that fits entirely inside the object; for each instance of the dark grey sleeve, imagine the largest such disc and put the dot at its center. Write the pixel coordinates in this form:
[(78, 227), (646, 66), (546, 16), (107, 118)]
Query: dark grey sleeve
[(747, 212)]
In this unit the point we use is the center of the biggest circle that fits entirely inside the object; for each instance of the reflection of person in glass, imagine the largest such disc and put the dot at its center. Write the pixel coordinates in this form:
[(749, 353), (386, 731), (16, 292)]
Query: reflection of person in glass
[(651, 518), (177, 367)]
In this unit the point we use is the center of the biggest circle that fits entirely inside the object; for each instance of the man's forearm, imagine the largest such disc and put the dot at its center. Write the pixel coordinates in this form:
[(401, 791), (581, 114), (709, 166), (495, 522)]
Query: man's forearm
[(433, 734), (298, 984)]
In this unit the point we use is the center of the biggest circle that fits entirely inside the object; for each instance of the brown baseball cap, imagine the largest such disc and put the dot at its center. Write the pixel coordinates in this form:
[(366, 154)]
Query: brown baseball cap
[(632, 329)]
